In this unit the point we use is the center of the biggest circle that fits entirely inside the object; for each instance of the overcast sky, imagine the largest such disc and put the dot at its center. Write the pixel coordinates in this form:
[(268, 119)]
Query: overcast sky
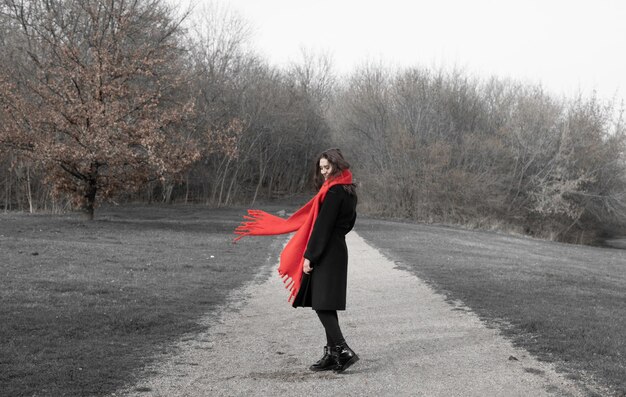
[(566, 45)]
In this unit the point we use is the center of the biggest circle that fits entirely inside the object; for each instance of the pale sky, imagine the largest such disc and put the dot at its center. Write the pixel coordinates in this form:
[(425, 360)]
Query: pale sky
[(566, 45)]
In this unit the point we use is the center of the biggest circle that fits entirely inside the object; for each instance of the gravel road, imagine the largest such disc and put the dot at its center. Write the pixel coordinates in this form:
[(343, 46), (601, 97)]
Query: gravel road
[(410, 340)]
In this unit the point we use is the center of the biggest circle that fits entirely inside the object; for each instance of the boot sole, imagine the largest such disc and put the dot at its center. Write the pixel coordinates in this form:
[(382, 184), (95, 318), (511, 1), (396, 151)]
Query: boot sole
[(347, 365), (320, 369)]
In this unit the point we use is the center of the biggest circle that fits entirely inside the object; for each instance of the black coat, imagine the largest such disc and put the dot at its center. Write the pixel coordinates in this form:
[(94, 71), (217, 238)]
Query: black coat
[(325, 287)]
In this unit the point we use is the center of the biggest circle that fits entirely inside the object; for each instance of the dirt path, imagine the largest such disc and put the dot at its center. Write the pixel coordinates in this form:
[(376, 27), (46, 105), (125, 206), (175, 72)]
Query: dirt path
[(411, 342)]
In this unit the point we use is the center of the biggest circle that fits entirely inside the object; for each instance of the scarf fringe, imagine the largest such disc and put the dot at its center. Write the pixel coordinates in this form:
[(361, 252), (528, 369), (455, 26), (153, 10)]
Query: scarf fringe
[(247, 228), (290, 284)]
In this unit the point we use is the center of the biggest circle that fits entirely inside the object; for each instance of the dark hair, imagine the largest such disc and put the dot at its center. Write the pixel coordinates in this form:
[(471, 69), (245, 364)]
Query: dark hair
[(335, 158)]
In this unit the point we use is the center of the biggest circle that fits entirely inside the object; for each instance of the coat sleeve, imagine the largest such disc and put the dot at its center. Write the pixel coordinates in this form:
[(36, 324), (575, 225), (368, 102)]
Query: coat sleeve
[(324, 225)]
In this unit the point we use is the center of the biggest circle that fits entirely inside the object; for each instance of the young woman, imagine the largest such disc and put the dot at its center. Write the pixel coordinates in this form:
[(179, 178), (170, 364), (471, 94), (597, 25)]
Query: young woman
[(314, 262)]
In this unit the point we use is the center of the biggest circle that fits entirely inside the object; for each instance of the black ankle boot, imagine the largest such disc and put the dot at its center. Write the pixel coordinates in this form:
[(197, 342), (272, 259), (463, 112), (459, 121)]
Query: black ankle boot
[(327, 362), (345, 357)]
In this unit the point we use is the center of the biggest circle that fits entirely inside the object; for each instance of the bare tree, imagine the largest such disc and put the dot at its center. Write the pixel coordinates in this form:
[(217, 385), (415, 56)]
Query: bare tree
[(98, 97), (439, 146)]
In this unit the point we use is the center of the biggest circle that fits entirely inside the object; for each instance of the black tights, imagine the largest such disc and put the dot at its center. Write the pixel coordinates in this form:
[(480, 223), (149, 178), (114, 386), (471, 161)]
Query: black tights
[(330, 322)]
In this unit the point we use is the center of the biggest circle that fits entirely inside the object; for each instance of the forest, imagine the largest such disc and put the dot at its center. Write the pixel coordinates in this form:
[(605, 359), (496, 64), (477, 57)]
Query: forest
[(139, 101)]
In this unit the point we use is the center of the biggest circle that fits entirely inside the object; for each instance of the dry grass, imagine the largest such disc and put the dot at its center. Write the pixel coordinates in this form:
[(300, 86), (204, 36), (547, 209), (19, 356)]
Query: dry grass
[(85, 304), (564, 303)]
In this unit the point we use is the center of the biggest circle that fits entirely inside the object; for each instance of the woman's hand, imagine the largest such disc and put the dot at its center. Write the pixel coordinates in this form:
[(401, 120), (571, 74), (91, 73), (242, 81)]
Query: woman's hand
[(306, 267)]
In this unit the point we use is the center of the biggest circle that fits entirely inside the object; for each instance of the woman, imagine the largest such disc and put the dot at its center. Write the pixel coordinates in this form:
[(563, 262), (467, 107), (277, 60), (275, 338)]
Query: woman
[(314, 262)]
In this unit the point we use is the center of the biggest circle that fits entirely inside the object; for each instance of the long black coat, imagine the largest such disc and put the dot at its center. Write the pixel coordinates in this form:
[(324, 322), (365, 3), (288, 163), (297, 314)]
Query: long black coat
[(325, 287)]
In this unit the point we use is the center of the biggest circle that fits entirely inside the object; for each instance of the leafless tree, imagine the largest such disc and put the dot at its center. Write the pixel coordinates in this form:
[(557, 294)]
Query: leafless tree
[(97, 96)]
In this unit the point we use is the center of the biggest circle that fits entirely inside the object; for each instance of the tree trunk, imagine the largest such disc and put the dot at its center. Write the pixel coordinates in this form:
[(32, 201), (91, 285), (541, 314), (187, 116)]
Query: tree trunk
[(230, 187), (90, 200), (269, 186), (29, 193), (18, 188), (262, 168), (219, 199), (7, 197), (167, 192), (187, 188)]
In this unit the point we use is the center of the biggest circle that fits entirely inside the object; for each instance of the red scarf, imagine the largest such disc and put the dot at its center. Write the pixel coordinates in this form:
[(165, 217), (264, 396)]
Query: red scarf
[(302, 221)]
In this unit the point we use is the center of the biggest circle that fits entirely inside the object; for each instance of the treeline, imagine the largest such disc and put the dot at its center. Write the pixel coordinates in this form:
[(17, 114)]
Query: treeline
[(443, 147), (138, 101)]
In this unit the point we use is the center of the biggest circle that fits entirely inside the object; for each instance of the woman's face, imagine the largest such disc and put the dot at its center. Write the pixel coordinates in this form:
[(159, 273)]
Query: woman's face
[(326, 168)]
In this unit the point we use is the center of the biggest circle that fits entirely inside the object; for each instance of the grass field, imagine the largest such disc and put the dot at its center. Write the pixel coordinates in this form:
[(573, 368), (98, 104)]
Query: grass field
[(564, 303), (83, 305)]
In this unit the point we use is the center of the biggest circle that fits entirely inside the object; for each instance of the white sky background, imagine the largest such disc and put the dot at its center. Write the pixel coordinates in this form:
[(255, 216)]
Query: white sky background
[(567, 46)]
